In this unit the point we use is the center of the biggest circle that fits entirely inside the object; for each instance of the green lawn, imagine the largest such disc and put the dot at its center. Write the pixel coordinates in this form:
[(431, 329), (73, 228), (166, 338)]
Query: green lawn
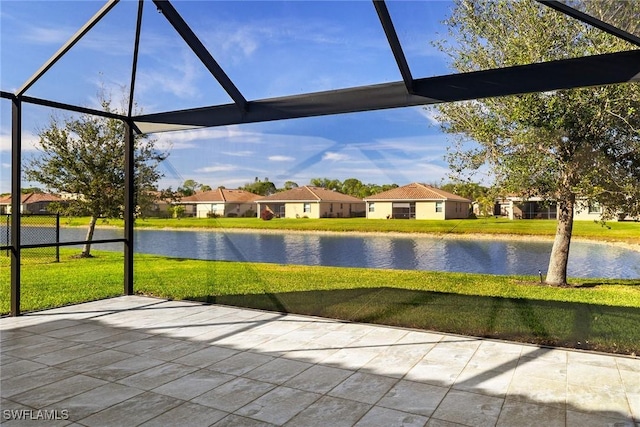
[(595, 314), (628, 232)]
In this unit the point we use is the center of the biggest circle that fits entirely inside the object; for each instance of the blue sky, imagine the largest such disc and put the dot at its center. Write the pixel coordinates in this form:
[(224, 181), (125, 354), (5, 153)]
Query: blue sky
[(269, 49)]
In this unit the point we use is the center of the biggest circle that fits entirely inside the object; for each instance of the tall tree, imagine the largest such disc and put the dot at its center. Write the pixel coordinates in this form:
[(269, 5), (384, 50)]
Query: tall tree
[(188, 187), (84, 156), (572, 146), (353, 187), (288, 185), (263, 188), (329, 184), (469, 190)]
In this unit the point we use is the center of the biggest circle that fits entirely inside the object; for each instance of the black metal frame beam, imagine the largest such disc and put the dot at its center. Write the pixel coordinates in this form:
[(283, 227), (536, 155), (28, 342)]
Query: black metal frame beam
[(16, 173), (596, 70), (129, 207), (68, 45), (67, 107), (588, 19), (63, 106), (394, 43), (201, 52), (134, 65)]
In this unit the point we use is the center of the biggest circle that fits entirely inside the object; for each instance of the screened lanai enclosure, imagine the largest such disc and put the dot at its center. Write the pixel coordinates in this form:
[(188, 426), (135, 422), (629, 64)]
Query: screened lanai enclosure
[(235, 90)]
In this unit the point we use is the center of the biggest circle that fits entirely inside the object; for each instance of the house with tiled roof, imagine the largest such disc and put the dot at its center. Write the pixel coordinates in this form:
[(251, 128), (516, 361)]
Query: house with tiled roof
[(30, 203), (311, 202), (219, 202), (535, 207), (417, 201)]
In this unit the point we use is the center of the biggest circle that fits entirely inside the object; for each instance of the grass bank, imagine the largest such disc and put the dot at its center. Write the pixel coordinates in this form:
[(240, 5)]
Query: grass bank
[(626, 232), (596, 314)]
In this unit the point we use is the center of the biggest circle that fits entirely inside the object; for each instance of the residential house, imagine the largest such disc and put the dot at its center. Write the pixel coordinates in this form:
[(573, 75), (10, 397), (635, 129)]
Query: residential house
[(312, 202), (219, 202), (593, 211), (539, 208), (155, 206), (514, 207), (417, 201), (30, 203)]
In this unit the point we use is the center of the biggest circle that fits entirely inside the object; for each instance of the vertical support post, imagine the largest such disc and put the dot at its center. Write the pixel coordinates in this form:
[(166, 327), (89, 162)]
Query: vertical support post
[(8, 237), (57, 237), (129, 206), (16, 174)]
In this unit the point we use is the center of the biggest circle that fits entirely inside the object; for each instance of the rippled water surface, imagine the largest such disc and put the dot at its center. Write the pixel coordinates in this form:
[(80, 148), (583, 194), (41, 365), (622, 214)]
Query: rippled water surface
[(406, 253)]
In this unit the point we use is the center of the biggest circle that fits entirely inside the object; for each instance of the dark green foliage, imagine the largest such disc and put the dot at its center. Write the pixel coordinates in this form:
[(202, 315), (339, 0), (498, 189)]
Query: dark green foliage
[(83, 156), (571, 146)]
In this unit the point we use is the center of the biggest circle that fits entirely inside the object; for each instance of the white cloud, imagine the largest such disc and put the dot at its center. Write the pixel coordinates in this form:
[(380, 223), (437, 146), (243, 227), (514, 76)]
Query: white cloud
[(43, 35), (29, 141), (245, 153), (329, 155), (429, 113), (178, 77), (216, 168), (281, 158), (232, 133), (411, 145)]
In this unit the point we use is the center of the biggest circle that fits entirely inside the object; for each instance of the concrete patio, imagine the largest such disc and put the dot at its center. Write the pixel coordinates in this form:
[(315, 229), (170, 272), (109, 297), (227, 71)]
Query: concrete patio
[(134, 360)]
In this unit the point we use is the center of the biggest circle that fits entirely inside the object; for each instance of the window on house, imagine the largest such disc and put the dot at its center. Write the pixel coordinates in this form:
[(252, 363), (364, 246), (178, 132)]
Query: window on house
[(439, 206), (594, 207), (372, 207), (307, 208)]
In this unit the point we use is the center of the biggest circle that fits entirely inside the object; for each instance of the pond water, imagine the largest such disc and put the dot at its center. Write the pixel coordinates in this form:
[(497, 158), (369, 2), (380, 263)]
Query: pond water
[(586, 260)]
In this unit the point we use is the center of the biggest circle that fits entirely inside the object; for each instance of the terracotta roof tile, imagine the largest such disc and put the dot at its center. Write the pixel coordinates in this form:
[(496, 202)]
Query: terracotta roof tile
[(416, 191), (307, 193), (32, 198), (221, 195)]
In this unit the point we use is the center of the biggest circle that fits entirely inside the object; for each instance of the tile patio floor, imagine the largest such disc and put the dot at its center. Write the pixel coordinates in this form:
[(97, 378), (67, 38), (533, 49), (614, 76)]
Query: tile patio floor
[(133, 360)]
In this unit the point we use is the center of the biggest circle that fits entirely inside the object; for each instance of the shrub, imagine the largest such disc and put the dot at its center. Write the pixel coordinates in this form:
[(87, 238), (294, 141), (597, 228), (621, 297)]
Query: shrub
[(266, 215), (178, 211), (250, 213)]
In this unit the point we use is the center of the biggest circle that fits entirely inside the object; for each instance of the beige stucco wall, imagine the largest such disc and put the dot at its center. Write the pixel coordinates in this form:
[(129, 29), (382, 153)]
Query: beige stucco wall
[(222, 209), (424, 210), (427, 210), (582, 213), (202, 209), (382, 210), (296, 210)]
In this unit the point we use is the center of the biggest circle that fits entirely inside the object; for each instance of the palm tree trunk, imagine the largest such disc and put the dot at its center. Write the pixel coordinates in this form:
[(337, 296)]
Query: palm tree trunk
[(557, 272), (86, 250)]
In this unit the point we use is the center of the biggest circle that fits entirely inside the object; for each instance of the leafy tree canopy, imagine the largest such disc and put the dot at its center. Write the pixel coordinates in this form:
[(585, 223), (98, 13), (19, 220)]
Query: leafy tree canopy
[(84, 157), (263, 188), (351, 186), (580, 145), (288, 185)]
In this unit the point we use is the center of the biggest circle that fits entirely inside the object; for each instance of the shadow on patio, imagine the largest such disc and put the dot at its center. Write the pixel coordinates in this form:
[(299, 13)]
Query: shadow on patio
[(137, 360), (565, 324)]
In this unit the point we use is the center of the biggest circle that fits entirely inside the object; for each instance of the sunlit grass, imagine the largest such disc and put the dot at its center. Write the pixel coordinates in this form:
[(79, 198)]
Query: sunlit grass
[(596, 314)]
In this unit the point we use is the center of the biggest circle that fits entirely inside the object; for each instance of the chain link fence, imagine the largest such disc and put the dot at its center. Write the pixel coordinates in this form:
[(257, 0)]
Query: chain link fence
[(35, 229)]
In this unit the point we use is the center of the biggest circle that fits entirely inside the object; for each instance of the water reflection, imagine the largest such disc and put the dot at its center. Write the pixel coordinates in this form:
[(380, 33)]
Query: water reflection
[(394, 252)]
